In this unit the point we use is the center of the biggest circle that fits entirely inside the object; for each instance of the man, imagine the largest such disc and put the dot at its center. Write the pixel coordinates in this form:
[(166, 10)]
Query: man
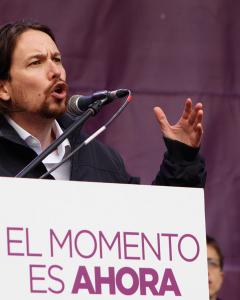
[(215, 268), (33, 98)]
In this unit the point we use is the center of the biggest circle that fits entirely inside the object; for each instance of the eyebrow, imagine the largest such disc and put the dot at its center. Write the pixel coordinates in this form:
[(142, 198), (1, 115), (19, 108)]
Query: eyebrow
[(42, 56)]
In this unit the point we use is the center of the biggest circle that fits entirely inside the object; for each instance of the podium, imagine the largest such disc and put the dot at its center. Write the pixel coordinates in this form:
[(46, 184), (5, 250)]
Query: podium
[(79, 240)]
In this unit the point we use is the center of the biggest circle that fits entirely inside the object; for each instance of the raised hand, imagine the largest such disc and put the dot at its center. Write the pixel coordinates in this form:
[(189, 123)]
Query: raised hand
[(188, 129)]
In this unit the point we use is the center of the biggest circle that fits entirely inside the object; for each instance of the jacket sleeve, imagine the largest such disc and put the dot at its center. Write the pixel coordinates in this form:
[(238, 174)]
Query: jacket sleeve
[(181, 166)]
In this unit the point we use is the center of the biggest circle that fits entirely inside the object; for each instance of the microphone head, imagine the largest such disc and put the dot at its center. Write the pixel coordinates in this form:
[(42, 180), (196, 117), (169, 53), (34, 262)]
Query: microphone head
[(72, 105), (77, 104)]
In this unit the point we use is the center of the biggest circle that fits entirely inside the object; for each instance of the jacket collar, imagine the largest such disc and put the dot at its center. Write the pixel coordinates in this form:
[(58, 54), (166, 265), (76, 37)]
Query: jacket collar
[(7, 132)]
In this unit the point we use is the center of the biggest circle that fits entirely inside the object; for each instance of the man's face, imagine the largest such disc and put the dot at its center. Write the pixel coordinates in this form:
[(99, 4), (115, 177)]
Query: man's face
[(215, 275), (38, 80)]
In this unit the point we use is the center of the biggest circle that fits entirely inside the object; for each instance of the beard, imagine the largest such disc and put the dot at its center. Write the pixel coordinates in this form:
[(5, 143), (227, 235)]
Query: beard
[(47, 108), (52, 111)]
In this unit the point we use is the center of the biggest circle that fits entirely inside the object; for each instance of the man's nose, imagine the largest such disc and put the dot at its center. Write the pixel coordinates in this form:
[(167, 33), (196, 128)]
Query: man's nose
[(54, 71)]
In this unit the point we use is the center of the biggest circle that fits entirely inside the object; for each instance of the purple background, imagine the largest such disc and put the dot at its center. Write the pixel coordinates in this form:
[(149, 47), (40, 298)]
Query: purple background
[(164, 51)]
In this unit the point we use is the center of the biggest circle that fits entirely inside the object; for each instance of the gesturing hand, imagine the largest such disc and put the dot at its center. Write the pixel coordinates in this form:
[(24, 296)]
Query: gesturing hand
[(188, 129)]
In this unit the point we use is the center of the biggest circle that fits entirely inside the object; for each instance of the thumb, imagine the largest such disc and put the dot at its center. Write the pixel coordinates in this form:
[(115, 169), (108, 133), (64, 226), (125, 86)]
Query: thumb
[(161, 118)]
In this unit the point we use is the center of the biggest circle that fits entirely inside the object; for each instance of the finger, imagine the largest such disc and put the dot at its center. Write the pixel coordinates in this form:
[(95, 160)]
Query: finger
[(194, 113), (199, 133), (187, 109), (199, 119), (161, 118)]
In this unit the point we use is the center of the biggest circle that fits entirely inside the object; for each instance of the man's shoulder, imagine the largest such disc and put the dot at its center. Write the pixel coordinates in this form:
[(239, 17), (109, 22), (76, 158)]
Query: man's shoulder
[(96, 161)]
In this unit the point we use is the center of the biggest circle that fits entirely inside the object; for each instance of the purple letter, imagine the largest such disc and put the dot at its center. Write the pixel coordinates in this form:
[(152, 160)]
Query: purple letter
[(110, 246), (110, 280), (128, 245), (61, 289), (170, 235), (157, 252), (87, 284), (68, 236), (94, 242), (36, 278), (144, 283), (27, 242), (172, 287), (9, 241), (197, 245), (135, 281)]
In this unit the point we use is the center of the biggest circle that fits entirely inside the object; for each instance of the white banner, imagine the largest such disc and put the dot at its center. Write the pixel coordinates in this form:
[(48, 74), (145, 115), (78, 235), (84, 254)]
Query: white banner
[(78, 240)]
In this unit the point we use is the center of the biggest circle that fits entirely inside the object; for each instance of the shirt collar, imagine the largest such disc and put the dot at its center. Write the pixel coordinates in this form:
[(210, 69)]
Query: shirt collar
[(63, 149)]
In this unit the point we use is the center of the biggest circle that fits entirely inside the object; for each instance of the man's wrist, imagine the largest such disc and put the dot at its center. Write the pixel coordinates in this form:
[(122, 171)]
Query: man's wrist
[(179, 151)]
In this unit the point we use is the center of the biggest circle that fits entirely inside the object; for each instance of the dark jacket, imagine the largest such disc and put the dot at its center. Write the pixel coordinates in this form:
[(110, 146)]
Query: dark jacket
[(182, 166)]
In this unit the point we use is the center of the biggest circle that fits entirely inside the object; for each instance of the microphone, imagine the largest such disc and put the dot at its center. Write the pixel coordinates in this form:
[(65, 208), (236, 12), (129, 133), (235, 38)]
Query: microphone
[(77, 104), (115, 94)]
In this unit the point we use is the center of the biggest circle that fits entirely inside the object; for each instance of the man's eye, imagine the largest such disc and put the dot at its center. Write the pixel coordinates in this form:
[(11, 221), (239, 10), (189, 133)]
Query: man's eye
[(57, 59), (35, 62)]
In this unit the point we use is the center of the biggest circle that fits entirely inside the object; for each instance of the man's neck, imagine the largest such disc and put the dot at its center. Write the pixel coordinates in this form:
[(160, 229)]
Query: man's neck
[(40, 128)]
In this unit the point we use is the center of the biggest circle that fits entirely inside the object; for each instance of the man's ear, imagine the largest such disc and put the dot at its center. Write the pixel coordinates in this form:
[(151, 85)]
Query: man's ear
[(4, 91)]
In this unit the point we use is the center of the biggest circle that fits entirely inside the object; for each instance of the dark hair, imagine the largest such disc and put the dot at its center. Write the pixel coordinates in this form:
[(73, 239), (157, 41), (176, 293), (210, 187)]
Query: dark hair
[(9, 35), (213, 243)]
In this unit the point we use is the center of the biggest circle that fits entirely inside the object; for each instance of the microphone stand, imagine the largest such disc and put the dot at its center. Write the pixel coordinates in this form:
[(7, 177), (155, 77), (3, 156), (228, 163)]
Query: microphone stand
[(91, 111)]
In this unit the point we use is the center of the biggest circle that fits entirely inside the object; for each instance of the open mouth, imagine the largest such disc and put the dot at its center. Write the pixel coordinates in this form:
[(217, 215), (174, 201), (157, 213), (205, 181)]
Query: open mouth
[(59, 90)]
